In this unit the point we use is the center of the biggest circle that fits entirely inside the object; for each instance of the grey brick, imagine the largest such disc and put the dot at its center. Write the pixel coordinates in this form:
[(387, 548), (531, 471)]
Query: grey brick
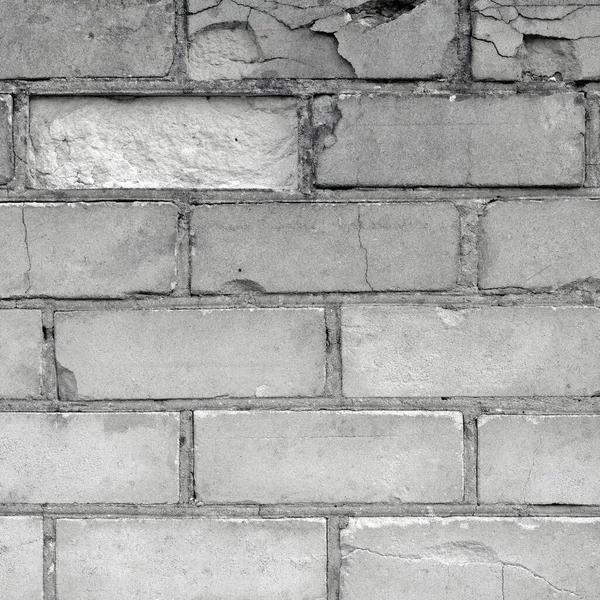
[(138, 559), (539, 459), (191, 353), (62, 38), (488, 351), (292, 457), (544, 244), (69, 457), (20, 353), (457, 140), (21, 563), (465, 558), (316, 248)]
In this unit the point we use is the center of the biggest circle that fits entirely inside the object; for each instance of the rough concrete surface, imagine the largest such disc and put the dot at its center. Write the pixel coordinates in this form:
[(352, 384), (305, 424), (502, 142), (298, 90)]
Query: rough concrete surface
[(75, 38), (21, 569), (288, 457), (212, 559), (95, 250), (191, 353), (555, 39), (492, 351), (183, 142), (539, 459), (372, 39), (20, 353), (471, 559), (100, 457), (547, 244), (454, 140), (312, 248)]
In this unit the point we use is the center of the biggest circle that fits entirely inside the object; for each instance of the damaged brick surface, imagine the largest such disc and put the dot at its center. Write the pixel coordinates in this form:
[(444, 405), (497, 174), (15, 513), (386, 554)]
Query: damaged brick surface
[(73, 38), (164, 143), (470, 558), (557, 40), (372, 39)]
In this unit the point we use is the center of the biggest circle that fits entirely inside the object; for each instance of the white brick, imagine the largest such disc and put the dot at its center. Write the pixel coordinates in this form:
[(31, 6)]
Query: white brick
[(465, 558), (192, 353), (164, 142), (21, 570), (67, 457), (323, 247), (6, 138), (539, 459), (488, 351), (20, 353), (457, 140), (540, 244), (187, 559), (87, 250), (288, 457)]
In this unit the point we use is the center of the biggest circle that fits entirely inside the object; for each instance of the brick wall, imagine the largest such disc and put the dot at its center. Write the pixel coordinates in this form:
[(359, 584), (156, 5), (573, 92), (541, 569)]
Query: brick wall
[(299, 301)]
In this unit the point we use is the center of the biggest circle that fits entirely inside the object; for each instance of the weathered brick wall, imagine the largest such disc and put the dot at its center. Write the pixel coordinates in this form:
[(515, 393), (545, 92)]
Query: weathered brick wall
[(299, 301)]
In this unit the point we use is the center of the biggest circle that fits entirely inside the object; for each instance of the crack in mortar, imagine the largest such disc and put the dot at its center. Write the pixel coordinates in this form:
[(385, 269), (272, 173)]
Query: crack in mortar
[(363, 248), (26, 241), (472, 551)]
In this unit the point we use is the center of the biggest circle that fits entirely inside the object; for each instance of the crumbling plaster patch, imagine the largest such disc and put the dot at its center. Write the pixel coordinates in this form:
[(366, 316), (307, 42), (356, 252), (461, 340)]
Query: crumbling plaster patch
[(376, 39), (512, 41)]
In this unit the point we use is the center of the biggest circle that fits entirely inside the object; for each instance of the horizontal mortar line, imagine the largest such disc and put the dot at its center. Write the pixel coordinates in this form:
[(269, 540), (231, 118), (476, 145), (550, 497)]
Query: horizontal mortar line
[(352, 194), (319, 195), (141, 86), (251, 300), (268, 511), (547, 405)]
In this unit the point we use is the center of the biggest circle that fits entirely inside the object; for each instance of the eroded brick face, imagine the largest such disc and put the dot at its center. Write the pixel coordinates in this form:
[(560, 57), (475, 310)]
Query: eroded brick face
[(299, 300)]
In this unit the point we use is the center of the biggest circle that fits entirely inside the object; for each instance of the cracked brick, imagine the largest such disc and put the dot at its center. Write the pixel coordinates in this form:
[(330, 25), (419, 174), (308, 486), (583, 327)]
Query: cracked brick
[(513, 40), (372, 39), (314, 248), (464, 557)]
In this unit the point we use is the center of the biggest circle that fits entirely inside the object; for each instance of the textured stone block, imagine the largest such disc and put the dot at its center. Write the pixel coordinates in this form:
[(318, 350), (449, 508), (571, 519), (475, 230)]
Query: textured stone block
[(457, 140), (545, 244), (138, 559), (164, 142), (74, 38), (20, 353), (322, 248), (67, 457), (6, 138), (289, 457), (556, 39), (78, 250), (191, 353), (464, 558), (491, 351), (352, 38), (21, 570), (539, 459)]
